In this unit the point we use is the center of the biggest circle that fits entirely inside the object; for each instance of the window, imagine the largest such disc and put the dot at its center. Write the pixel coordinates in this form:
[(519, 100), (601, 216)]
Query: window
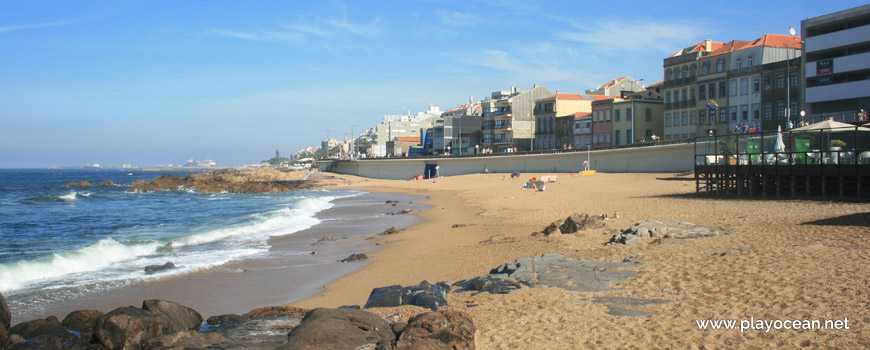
[(692, 118), (768, 111), (793, 109), (648, 116), (744, 113), (692, 70), (744, 86), (693, 94), (667, 137), (733, 114), (616, 115), (720, 65), (702, 92), (616, 136), (722, 92), (756, 85), (792, 79), (779, 81), (733, 91), (749, 61), (677, 73), (607, 138), (712, 87), (685, 95), (607, 114), (767, 82), (668, 75), (702, 117), (667, 119), (676, 119), (685, 119), (738, 64), (685, 72), (628, 137), (705, 68), (668, 98), (723, 115), (756, 112), (780, 109), (628, 114)]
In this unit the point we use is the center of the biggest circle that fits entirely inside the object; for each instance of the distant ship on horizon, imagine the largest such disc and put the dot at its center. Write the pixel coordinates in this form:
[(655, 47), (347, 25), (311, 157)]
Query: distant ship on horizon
[(194, 163)]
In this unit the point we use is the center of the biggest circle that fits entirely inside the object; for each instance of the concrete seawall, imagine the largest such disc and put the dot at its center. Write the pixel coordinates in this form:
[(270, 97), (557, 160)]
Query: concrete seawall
[(665, 158)]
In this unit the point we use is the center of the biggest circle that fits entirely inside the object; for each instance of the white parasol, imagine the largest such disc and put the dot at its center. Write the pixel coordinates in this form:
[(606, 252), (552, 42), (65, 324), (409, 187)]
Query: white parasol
[(779, 146)]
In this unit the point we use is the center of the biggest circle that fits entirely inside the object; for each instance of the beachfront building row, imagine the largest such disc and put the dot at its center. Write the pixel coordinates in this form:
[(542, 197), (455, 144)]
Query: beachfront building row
[(714, 88)]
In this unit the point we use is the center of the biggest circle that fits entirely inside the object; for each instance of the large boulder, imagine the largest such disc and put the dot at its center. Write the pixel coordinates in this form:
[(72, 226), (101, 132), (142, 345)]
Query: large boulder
[(106, 183), (82, 322), (130, 327), (652, 229), (79, 184), (338, 329), (446, 329), (390, 296), (5, 314), (35, 328), (183, 317), (497, 283)]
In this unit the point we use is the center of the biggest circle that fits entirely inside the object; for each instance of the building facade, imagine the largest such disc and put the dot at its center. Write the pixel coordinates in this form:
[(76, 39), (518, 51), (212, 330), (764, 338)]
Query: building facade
[(602, 124), (508, 119), (617, 87), (559, 105), (681, 90), (837, 64), (582, 130)]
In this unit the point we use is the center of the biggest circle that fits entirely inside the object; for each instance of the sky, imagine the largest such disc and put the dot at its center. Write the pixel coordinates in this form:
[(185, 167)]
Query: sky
[(158, 82)]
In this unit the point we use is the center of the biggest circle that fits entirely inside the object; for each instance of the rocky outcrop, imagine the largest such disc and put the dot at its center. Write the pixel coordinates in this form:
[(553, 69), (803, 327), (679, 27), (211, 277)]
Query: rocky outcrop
[(552, 270), (35, 328), (79, 184), (446, 329), (425, 294), (234, 181), (106, 183), (652, 229), (341, 329), (263, 328), (82, 322), (574, 223), (187, 340), (390, 231), (5, 315)]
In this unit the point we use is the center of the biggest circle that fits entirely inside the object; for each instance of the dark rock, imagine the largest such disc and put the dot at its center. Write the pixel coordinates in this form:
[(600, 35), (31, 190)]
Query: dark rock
[(106, 183), (492, 283), (157, 268), (139, 182), (284, 310), (652, 229), (390, 296), (446, 329), (389, 231), (325, 329), (556, 270), (83, 322), (186, 340), (43, 342), (355, 257), (355, 307), (263, 328), (426, 295), (5, 314), (577, 222), (183, 317), (4, 337), (79, 184), (400, 212), (35, 328)]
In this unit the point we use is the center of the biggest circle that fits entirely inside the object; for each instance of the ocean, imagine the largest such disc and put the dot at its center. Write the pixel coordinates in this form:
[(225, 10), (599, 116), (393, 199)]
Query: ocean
[(61, 244)]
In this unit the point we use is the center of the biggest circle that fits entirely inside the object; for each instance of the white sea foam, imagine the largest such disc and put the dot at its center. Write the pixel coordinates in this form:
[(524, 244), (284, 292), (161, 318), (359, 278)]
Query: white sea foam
[(91, 258), (69, 196)]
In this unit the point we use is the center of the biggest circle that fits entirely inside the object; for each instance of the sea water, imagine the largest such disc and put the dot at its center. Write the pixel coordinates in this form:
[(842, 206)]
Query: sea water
[(58, 243)]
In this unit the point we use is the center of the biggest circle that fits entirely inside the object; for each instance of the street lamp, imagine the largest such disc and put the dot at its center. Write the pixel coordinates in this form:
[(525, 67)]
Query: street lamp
[(788, 78)]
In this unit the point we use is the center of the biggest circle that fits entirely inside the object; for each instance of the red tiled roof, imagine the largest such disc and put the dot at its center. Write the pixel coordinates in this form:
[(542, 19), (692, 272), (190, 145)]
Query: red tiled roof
[(698, 47), (777, 40), (565, 97), (581, 114), (408, 138), (661, 83), (731, 46)]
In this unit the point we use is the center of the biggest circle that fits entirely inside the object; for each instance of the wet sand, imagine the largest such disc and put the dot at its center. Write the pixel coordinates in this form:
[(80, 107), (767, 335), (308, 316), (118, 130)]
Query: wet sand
[(804, 259)]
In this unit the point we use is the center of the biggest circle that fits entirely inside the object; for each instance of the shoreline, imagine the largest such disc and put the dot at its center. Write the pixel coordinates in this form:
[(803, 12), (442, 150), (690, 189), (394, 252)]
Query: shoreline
[(286, 274)]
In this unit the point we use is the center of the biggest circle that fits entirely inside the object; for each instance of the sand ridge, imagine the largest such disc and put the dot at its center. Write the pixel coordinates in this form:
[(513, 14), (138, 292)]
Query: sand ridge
[(801, 259)]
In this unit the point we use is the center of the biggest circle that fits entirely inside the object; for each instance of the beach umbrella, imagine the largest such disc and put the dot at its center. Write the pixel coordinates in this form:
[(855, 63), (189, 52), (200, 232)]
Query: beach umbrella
[(779, 146), (830, 125)]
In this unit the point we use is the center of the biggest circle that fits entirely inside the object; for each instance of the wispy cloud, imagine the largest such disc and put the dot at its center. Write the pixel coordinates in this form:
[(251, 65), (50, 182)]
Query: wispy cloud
[(260, 34), (304, 29), (458, 19), (12, 28), (620, 35)]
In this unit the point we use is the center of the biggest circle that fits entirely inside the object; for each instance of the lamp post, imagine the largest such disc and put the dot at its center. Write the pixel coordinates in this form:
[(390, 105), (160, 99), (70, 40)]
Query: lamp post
[(788, 78), (633, 116)]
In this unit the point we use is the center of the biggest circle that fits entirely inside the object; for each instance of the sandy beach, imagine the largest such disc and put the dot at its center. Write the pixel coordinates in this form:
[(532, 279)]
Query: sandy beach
[(802, 259)]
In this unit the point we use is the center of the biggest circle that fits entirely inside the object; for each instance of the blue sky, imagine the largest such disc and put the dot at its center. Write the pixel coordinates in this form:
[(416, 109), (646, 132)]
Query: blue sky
[(158, 82)]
